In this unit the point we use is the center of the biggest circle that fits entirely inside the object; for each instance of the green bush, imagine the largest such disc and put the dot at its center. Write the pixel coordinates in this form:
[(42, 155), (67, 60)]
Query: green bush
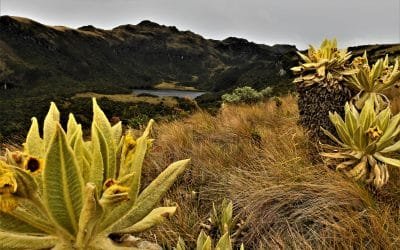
[(247, 95)]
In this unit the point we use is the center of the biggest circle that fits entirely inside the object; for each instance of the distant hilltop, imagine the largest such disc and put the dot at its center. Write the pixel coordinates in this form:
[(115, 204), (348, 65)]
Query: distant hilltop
[(142, 55)]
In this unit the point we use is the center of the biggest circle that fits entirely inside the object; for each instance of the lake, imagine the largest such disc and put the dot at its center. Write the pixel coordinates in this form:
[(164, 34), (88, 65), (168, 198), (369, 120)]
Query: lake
[(169, 92)]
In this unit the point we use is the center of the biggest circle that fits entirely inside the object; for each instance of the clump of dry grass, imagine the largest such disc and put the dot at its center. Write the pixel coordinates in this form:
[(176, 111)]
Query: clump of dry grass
[(259, 158)]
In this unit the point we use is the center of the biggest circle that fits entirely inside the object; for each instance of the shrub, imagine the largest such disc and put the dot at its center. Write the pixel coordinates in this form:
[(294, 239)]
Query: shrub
[(68, 193), (246, 95), (277, 100), (267, 92)]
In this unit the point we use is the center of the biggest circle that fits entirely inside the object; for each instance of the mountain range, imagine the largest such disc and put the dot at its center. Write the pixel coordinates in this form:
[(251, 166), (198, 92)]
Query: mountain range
[(134, 56)]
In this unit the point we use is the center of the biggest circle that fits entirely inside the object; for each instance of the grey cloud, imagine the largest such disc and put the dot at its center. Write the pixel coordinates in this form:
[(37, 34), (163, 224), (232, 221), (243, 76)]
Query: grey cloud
[(299, 22)]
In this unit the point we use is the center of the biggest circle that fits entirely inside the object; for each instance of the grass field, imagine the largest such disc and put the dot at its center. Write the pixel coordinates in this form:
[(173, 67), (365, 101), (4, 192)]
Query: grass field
[(282, 192)]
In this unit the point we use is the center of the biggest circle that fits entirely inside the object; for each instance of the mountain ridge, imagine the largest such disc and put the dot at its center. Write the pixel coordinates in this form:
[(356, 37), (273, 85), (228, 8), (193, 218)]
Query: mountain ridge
[(130, 56)]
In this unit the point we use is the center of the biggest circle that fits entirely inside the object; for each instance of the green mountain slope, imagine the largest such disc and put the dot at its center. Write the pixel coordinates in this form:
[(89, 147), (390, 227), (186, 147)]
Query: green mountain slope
[(133, 56)]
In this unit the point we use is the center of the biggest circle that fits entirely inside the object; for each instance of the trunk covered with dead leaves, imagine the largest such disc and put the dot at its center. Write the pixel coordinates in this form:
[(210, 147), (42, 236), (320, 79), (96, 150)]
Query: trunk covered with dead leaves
[(315, 102)]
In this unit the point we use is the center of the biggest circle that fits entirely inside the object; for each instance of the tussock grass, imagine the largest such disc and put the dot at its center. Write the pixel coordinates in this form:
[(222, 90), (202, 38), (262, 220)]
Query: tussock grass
[(259, 158)]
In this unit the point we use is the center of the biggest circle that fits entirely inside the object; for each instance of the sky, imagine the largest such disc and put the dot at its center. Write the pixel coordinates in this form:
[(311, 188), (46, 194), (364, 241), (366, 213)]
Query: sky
[(298, 22)]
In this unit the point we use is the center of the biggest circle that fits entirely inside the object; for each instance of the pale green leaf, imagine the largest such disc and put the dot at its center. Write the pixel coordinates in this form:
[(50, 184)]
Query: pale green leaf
[(150, 196), (227, 217), (90, 214), (203, 242), (350, 119), (393, 148), (83, 163), (62, 183), (50, 124), (33, 215), (360, 138), (332, 137), (75, 136), (34, 143), (135, 165), (9, 240), (117, 132), (367, 115), (104, 127), (11, 223), (181, 244), (387, 160), (224, 243), (304, 57), (98, 147), (157, 216), (72, 126), (390, 130), (383, 118)]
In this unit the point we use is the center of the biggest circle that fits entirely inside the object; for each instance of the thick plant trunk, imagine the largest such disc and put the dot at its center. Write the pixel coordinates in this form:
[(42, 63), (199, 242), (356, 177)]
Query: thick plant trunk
[(314, 103)]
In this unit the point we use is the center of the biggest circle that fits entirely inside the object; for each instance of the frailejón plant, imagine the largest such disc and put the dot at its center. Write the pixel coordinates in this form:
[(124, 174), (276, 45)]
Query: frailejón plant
[(222, 223), (64, 192), (222, 218), (325, 66), (204, 242), (367, 143), (321, 88), (371, 82)]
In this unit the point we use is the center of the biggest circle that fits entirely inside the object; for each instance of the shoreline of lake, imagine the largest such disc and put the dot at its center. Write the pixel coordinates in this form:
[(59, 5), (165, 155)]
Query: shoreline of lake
[(169, 92)]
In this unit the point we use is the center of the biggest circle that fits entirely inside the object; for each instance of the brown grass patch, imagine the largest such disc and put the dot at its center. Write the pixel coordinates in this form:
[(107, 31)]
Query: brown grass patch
[(258, 157)]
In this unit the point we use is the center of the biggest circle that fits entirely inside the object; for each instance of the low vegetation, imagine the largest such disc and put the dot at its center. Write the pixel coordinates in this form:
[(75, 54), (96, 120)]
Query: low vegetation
[(130, 98), (258, 157), (247, 95), (132, 111)]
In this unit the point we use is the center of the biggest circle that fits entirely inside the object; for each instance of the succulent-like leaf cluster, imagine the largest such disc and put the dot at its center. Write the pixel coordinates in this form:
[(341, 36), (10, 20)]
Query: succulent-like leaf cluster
[(204, 242), (366, 144), (222, 218), (64, 192), (371, 82), (325, 66), (222, 221)]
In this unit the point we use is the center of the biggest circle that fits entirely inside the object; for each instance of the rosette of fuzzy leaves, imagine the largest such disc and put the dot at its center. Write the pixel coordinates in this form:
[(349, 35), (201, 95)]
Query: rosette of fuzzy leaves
[(219, 231), (65, 192), (367, 143), (325, 66), (371, 82)]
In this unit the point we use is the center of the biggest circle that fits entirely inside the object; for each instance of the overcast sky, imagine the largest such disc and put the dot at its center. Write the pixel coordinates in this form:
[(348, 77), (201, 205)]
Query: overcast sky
[(299, 22)]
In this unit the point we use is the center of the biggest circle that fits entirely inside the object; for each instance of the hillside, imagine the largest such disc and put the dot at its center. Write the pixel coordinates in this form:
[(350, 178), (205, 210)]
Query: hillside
[(143, 55), (40, 63), (133, 56)]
